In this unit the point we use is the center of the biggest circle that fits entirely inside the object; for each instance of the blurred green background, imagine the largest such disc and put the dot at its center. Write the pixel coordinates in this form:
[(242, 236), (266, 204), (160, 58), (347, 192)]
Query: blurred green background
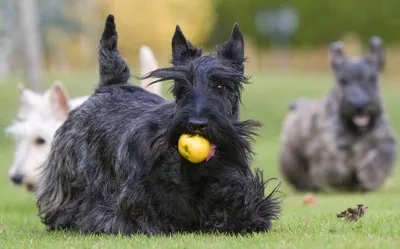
[(287, 44)]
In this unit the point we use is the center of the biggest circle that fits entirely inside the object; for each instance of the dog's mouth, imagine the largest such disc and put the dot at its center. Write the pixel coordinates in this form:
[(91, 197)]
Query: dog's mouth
[(361, 120), (211, 153), (30, 187), (192, 146)]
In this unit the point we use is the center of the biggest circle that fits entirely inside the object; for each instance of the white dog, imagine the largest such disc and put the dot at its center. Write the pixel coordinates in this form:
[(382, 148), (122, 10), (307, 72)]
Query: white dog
[(39, 117)]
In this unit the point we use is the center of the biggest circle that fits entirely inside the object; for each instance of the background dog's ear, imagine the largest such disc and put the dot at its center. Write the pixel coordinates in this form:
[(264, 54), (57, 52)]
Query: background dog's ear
[(233, 49), (148, 63), (26, 96), (182, 49), (20, 88), (22, 93), (337, 55), (376, 54), (59, 98)]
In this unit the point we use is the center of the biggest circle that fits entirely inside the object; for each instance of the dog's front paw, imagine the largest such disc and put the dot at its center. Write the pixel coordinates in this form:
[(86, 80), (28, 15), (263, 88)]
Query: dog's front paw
[(258, 227)]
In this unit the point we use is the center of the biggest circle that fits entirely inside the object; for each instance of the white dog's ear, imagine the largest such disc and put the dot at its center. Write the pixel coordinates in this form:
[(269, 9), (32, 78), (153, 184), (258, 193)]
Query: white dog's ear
[(59, 98), (27, 97), (20, 87)]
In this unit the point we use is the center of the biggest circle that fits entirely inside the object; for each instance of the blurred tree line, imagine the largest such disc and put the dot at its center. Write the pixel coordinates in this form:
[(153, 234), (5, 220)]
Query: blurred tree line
[(321, 22), (153, 22), (70, 29)]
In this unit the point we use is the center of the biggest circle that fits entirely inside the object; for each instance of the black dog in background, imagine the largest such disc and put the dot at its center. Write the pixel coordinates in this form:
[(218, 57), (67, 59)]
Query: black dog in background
[(114, 166)]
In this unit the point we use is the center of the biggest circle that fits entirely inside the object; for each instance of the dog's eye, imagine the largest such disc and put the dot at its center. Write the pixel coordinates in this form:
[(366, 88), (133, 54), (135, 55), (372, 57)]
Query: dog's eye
[(221, 88), (372, 79), (343, 81), (40, 141)]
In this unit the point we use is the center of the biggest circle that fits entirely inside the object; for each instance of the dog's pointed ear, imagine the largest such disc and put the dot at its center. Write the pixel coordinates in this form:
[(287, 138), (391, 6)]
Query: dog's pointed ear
[(233, 49), (21, 88), (109, 38), (26, 96), (59, 98), (337, 55), (23, 96), (182, 49), (376, 53), (148, 63)]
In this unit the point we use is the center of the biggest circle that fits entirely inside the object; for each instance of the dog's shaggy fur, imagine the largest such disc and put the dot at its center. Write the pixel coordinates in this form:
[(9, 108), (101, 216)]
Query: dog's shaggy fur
[(41, 114), (344, 140), (114, 166)]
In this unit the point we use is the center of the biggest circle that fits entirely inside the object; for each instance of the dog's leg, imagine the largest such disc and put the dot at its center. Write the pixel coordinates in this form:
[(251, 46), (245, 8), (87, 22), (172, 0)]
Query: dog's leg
[(295, 169), (238, 204), (375, 166), (155, 205)]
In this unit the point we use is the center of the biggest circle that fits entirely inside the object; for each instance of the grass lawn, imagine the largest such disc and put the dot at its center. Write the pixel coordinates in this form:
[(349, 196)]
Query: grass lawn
[(299, 227)]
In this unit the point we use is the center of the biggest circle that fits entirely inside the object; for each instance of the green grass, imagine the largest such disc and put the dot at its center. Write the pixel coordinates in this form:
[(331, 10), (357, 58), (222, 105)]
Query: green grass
[(299, 227)]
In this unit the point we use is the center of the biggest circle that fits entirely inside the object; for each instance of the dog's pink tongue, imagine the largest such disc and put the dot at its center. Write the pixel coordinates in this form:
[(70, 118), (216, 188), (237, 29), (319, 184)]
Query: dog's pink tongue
[(361, 120), (211, 152)]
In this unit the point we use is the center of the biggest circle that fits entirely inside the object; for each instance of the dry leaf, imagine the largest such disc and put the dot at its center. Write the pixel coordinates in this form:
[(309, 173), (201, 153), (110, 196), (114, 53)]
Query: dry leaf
[(310, 199)]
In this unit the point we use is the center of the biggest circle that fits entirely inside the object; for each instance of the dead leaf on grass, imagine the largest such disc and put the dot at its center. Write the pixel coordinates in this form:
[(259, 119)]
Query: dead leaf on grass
[(310, 199)]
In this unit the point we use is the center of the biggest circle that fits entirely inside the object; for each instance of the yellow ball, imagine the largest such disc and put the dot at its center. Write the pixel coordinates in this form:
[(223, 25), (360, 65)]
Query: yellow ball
[(194, 148)]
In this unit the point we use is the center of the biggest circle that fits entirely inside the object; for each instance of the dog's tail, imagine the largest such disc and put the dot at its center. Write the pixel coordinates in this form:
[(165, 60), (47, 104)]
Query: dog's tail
[(112, 67), (148, 63)]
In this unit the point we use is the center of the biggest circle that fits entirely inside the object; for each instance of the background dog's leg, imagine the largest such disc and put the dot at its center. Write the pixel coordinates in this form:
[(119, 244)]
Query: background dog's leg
[(375, 166), (296, 170)]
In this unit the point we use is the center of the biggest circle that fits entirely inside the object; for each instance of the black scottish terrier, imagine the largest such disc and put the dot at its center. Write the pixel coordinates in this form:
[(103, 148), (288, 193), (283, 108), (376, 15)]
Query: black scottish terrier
[(114, 166)]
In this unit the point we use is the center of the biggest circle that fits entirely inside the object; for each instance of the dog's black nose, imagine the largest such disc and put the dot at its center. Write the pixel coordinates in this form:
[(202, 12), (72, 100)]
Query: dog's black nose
[(196, 124), (359, 100), (360, 105), (17, 179)]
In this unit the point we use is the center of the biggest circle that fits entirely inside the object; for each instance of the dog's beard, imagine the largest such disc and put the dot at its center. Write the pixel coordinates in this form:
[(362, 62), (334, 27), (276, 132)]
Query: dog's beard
[(226, 135)]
